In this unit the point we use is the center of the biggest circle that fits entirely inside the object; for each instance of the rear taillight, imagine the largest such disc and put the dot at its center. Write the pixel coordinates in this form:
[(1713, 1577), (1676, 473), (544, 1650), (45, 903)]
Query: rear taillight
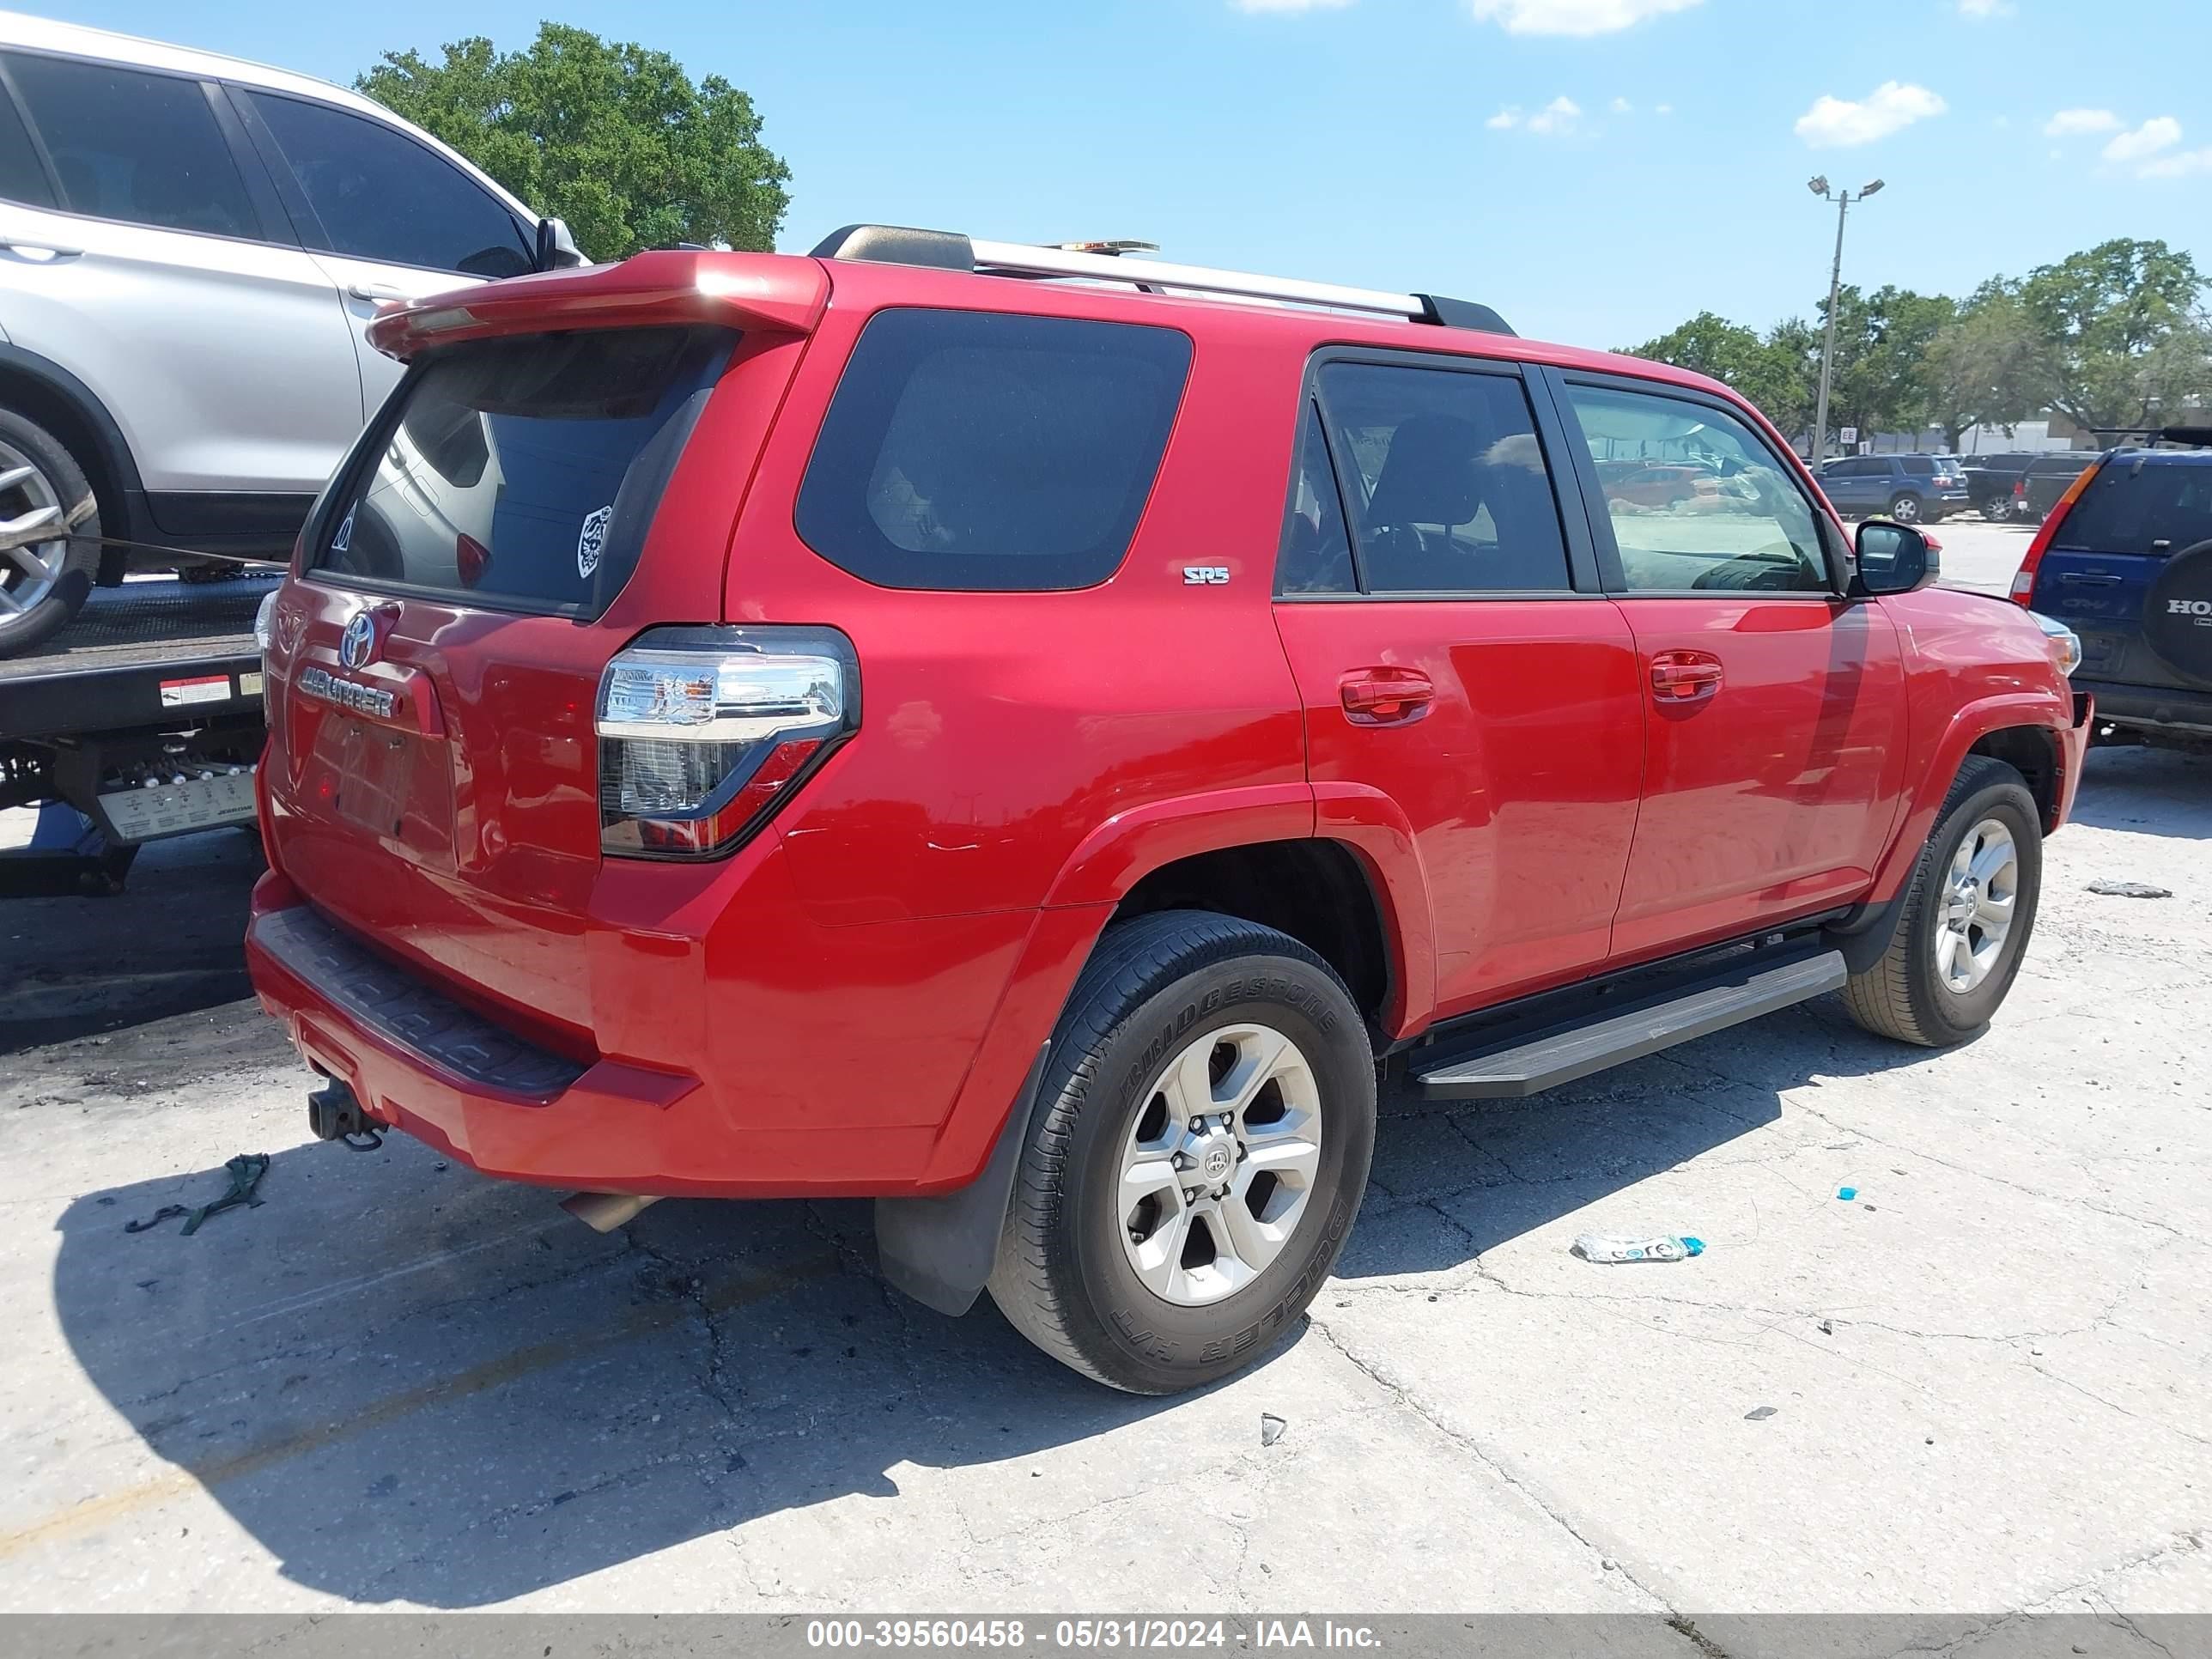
[(2019, 490), (2023, 580), (471, 558), (705, 732)]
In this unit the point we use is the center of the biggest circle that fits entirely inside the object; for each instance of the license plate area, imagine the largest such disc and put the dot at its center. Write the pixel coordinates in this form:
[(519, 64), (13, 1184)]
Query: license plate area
[(390, 785)]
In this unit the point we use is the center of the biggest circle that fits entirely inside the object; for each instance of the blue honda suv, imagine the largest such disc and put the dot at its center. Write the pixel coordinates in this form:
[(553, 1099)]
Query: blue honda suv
[(2125, 561)]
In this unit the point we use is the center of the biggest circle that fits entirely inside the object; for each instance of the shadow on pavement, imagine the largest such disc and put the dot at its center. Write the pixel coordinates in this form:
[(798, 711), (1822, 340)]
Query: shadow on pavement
[(169, 944), (2150, 791), (411, 1383)]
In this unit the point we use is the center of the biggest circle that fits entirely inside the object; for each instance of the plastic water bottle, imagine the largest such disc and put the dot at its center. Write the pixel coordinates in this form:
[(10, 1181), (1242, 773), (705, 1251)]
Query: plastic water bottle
[(1616, 1247)]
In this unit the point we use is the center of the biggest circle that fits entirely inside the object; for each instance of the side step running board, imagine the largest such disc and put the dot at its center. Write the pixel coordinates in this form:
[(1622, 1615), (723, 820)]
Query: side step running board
[(1524, 1063)]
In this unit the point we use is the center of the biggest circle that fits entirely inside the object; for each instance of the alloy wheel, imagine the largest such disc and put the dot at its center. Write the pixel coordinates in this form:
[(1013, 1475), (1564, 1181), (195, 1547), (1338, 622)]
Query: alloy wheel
[(1220, 1165), (29, 502), (1980, 896)]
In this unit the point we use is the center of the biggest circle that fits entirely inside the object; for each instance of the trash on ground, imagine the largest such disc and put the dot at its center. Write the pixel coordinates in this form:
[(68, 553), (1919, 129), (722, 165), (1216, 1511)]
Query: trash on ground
[(1271, 1428), (2130, 890), (1617, 1247), (1847, 1194), (245, 1172), (1759, 1414)]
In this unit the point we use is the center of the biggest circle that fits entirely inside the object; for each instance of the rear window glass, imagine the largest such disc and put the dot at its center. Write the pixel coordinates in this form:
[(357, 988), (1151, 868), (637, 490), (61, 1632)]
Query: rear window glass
[(522, 473), (980, 451), (2128, 508)]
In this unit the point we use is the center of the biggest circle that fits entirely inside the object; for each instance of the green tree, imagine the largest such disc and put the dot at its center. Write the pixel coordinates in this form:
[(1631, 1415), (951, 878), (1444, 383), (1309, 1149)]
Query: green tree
[(1771, 372), (2125, 328), (1879, 381), (613, 138), (1991, 365)]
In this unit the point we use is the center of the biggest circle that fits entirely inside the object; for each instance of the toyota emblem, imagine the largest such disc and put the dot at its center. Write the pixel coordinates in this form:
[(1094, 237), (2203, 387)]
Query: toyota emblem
[(358, 643)]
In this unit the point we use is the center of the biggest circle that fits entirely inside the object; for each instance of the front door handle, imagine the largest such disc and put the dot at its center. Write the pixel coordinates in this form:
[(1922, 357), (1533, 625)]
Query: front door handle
[(1685, 676), (374, 291), (1385, 696)]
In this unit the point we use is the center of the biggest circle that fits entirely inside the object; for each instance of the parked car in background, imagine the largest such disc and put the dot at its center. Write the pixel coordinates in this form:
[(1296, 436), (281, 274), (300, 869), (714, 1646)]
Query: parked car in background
[(191, 248), (2047, 478), (1991, 479), (1911, 489), (791, 717), (2124, 559)]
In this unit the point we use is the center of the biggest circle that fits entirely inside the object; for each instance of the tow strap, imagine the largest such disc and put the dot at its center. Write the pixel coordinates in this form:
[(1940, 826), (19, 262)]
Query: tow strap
[(245, 1172)]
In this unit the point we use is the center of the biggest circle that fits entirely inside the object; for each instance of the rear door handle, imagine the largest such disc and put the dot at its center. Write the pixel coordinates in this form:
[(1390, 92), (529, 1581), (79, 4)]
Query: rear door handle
[(1685, 676), (1385, 696), (2089, 579), (374, 291), (52, 249)]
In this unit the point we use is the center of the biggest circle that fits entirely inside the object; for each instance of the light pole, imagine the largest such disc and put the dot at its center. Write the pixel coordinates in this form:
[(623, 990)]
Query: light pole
[(1819, 186)]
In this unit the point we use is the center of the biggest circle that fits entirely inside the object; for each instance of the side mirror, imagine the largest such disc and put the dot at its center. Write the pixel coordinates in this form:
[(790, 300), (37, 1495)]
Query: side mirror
[(556, 248), (1893, 558)]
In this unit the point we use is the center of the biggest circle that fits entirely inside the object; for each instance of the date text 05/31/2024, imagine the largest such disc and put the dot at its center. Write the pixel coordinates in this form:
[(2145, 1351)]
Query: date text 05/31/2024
[(1140, 1634)]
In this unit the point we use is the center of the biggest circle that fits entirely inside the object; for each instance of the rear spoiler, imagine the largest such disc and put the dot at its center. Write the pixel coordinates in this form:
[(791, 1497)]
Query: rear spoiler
[(777, 293)]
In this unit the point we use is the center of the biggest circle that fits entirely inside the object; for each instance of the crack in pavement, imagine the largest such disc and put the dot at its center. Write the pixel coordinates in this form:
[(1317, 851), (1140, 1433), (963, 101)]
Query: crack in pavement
[(1483, 1455)]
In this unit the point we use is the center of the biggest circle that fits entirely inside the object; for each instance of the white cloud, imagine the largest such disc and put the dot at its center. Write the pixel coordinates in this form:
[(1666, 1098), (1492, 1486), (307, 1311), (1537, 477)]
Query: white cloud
[(1980, 11), (1841, 123), (1507, 117), (2160, 133), (1289, 5), (2180, 165), (1578, 17), (1662, 109), (2069, 122), (1621, 107), (1557, 116)]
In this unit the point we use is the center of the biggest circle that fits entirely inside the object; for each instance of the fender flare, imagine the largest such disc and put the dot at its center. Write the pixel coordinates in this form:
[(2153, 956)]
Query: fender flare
[(1966, 726), (938, 1245)]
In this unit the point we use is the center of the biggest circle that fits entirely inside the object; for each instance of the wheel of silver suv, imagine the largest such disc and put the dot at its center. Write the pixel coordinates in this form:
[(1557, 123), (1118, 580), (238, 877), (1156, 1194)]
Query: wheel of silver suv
[(1197, 1153), (48, 535)]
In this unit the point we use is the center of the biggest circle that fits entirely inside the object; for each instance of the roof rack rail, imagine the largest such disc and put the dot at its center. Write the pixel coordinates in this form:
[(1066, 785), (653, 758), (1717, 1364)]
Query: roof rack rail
[(950, 250)]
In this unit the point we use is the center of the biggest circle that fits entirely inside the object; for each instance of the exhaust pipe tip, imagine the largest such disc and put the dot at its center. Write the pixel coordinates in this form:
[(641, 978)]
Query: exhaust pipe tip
[(605, 1211)]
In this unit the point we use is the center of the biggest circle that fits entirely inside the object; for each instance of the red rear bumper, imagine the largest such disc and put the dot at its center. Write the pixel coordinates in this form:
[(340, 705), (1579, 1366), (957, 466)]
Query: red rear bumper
[(753, 1091)]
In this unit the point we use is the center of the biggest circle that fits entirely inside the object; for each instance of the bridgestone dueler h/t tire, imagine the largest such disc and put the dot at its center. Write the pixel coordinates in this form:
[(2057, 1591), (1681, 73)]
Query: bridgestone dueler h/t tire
[(1902, 995), (1155, 985)]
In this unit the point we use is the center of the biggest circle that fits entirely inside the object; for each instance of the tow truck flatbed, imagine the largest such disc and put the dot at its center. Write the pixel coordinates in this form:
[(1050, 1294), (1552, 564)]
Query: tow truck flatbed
[(143, 715), (140, 653)]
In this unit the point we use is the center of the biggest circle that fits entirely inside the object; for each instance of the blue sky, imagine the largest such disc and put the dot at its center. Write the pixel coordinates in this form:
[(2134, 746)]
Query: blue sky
[(1596, 169)]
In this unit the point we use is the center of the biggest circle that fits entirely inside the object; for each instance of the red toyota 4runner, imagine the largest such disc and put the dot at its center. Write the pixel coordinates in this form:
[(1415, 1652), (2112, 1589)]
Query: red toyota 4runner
[(992, 730)]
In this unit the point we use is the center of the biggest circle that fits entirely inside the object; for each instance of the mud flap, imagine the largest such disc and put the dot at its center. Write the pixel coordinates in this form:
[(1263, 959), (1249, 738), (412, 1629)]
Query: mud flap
[(939, 1249)]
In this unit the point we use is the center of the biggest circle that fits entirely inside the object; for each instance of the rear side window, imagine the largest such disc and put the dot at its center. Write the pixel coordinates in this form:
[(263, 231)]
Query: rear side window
[(523, 473), (22, 178), (1444, 480), (2159, 507), (1316, 556), (1920, 466), (382, 195), (981, 451), (140, 147)]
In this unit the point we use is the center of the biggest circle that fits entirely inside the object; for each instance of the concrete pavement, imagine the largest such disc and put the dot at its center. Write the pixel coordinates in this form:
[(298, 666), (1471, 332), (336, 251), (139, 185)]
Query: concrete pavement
[(396, 1385)]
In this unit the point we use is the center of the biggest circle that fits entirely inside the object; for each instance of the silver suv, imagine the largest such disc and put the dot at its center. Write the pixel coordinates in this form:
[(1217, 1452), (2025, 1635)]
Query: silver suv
[(190, 249)]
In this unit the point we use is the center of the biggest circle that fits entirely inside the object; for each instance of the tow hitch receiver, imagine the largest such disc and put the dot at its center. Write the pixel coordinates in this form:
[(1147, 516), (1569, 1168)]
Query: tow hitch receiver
[(334, 1114)]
